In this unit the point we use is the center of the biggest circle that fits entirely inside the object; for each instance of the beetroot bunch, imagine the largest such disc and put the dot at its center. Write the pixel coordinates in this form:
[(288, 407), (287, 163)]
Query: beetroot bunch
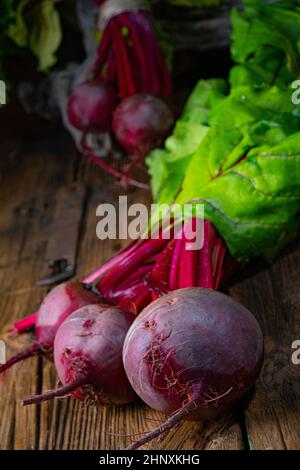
[(125, 90)]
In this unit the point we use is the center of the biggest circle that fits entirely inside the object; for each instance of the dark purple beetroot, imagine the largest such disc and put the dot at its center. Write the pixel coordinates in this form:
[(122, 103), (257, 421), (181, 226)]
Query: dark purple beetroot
[(61, 301), (191, 354), (141, 123), (88, 357), (91, 106)]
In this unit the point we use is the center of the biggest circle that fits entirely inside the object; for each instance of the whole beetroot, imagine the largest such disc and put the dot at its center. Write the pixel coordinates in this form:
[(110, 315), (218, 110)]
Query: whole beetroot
[(88, 357), (141, 123), (191, 354), (61, 301)]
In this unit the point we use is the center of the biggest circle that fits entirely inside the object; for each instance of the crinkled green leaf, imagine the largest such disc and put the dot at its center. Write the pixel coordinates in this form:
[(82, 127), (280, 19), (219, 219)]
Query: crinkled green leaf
[(167, 166), (38, 26), (18, 31)]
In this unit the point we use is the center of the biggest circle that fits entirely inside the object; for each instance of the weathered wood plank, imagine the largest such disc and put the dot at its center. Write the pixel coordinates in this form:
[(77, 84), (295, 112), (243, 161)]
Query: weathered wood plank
[(273, 295)]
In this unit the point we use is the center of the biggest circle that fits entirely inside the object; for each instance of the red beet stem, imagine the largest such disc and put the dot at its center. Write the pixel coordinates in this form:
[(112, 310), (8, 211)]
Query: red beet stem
[(127, 86), (58, 393), (158, 279), (31, 351), (105, 267), (103, 51), (26, 324), (137, 298), (168, 424), (151, 49), (153, 267), (157, 54), (135, 276), (133, 62), (187, 269), (132, 262)]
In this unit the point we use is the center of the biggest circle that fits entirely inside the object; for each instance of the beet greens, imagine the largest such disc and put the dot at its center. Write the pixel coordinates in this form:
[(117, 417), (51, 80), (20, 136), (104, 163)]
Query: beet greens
[(55, 308)]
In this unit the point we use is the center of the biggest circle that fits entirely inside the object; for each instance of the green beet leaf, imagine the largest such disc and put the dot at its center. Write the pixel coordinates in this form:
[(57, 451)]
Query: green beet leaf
[(167, 166)]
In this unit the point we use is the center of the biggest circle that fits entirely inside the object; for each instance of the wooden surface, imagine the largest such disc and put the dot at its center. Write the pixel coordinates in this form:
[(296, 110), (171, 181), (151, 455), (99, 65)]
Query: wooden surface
[(33, 174)]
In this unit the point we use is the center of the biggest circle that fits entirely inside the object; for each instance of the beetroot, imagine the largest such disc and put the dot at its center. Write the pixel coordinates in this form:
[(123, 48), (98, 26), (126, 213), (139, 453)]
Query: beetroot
[(88, 357), (91, 106), (141, 123), (191, 354), (55, 308)]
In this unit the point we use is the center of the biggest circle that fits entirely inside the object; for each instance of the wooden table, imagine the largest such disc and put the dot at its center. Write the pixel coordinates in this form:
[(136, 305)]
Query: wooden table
[(34, 174)]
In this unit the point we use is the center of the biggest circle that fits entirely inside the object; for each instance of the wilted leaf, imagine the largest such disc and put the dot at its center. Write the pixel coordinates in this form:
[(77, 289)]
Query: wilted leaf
[(245, 168)]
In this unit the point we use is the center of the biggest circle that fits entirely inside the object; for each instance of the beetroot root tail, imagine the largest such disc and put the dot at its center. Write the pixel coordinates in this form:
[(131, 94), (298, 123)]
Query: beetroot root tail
[(166, 426), (33, 350), (57, 393)]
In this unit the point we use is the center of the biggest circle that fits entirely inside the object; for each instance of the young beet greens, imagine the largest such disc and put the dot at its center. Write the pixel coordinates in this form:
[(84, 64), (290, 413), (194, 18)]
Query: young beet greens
[(55, 308), (191, 354)]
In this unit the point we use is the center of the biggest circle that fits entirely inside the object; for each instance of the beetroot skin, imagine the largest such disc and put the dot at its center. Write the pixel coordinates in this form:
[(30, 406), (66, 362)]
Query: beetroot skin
[(61, 301), (91, 106), (141, 123), (194, 352), (88, 357), (57, 306)]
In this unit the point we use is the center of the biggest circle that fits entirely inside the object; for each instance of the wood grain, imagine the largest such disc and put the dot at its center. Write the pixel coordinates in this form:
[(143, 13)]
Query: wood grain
[(273, 295), (31, 178)]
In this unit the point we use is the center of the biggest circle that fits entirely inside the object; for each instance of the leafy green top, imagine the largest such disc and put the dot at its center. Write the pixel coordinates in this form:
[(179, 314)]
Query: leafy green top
[(240, 154)]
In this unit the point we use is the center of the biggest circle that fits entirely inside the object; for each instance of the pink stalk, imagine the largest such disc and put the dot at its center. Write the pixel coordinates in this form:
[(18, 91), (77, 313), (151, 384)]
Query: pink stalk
[(132, 299), (107, 265), (187, 269), (137, 61), (33, 350), (158, 279), (26, 324), (136, 276), (149, 268)]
